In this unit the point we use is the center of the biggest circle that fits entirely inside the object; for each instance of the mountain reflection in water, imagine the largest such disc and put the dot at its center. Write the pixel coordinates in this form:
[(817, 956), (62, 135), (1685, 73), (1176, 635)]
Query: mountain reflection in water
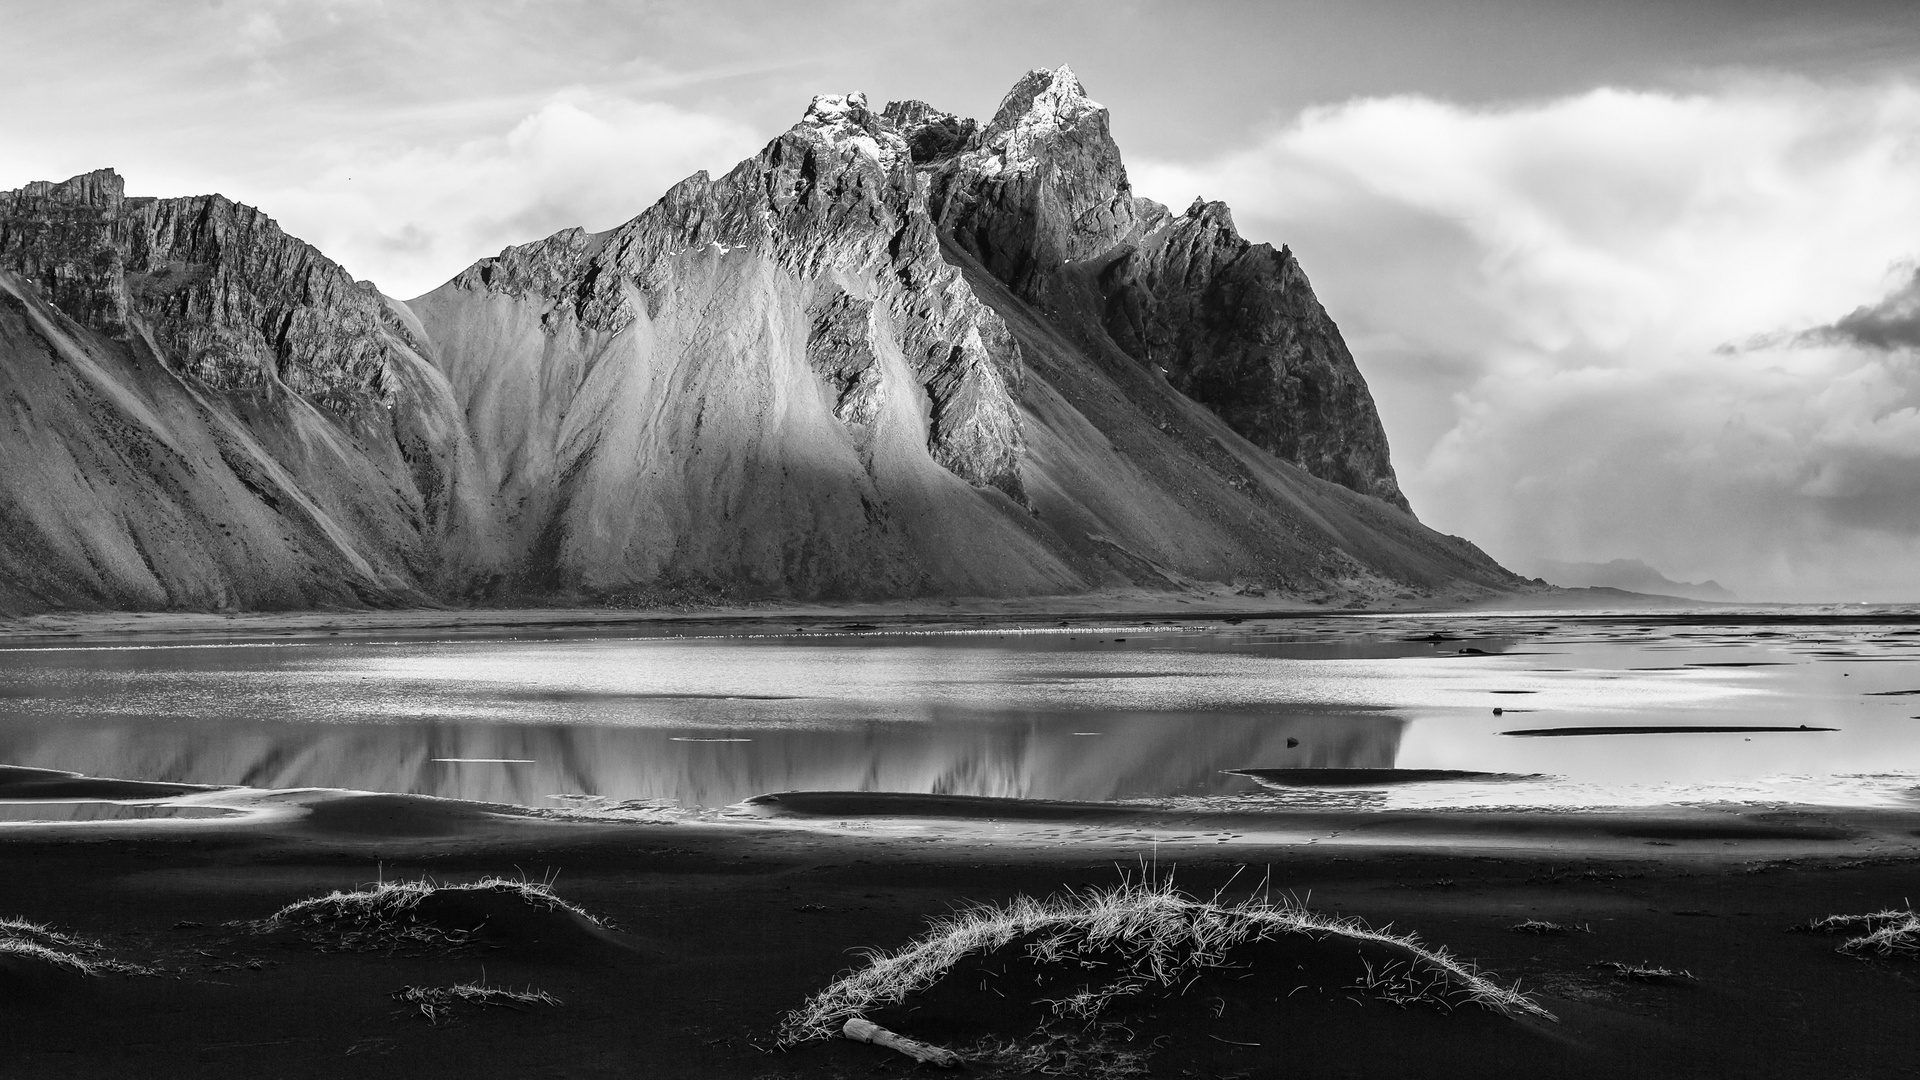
[(1035, 756), (705, 723), (1078, 715)]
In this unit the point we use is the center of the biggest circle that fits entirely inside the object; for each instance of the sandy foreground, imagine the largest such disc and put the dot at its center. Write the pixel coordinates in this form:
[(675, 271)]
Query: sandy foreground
[(712, 926), (719, 927)]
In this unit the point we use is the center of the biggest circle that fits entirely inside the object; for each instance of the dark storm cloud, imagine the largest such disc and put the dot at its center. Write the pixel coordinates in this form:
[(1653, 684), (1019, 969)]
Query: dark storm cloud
[(1892, 323)]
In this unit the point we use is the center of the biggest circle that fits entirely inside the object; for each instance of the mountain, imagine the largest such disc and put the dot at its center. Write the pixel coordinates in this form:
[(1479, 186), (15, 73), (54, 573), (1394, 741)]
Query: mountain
[(1631, 575), (896, 353)]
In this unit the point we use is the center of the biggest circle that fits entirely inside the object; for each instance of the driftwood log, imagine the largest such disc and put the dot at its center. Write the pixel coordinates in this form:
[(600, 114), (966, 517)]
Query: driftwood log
[(867, 1031)]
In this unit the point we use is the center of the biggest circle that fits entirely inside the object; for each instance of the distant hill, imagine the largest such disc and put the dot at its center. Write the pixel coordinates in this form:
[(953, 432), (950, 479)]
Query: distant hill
[(1631, 575)]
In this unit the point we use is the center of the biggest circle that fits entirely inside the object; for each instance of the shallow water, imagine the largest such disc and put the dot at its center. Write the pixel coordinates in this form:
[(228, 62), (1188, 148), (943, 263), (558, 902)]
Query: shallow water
[(1084, 713)]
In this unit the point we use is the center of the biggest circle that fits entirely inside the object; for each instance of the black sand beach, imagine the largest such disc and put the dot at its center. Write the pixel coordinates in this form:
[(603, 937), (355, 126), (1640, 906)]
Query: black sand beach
[(718, 929)]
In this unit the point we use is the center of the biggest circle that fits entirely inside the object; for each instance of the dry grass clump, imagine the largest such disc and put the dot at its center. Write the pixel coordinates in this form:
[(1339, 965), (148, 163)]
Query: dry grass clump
[(1541, 926), (58, 957), (1642, 972), (1893, 932), (21, 930), (385, 916), (38, 941), (1156, 936), (435, 1002)]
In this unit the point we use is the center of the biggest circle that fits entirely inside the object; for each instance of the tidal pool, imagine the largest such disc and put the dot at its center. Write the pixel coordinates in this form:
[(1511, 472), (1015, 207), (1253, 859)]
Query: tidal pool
[(1080, 712)]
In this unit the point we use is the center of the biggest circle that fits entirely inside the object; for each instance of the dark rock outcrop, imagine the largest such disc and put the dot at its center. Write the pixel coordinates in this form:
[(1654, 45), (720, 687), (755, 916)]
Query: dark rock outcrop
[(1040, 198), (1235, 326), (214, 287), (895, 353)]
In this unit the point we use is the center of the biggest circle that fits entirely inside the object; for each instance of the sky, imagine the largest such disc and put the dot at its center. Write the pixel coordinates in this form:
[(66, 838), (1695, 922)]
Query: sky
[(1628, 279)]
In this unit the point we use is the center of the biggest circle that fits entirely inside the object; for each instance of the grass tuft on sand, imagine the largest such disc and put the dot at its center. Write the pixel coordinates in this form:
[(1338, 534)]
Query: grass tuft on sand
[(384, 916), (1543, 927), (435, 1002), (1164, 939), (16, 929), (58, 957), (1642, 972), (38, 941), (1894, 932)]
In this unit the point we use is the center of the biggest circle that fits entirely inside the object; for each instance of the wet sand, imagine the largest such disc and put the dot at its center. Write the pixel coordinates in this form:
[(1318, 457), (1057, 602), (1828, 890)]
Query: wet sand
[(720, 926)]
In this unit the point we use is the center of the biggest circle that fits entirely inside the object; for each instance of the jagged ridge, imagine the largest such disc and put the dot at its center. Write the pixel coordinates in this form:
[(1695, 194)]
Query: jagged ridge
[(213, 286)]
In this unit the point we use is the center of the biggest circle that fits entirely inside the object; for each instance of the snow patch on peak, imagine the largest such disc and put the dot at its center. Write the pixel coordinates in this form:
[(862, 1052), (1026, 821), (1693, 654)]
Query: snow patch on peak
[(837, 109), (846, 119)]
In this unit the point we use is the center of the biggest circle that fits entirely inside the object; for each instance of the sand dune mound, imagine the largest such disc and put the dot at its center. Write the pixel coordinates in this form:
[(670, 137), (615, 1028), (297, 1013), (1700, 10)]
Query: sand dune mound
[(525, 919), (1106, 981)]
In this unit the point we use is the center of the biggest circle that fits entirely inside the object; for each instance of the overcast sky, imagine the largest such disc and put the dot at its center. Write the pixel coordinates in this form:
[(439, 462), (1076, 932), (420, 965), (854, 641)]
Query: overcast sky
[(1629, 279)]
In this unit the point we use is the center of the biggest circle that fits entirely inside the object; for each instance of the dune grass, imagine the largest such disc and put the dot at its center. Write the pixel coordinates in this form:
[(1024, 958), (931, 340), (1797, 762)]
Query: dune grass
[(384, 915), (59, 957), (1166, 937), (1893, 932), (435, 1002), (16, 929), (21, 937)]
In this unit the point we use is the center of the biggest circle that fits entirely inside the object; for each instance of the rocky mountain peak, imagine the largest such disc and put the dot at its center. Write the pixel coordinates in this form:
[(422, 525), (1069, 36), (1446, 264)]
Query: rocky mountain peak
[(102, 189), (845, 119), (931, 134), (1212, 215), (1042, 185), (841, 110), (1044, 105)]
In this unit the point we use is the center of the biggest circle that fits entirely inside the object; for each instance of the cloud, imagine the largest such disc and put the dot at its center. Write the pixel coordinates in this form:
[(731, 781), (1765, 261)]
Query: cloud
[(1542, 296), (409, 217)]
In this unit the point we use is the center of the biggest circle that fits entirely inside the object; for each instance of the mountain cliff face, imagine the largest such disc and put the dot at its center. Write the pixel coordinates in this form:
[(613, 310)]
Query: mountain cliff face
[(1040, 198), (215, 286), (206, 413), (895, 353)]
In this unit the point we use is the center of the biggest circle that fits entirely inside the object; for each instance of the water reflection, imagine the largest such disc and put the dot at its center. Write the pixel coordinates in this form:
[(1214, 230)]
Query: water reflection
[(1068, 715), (1032, 755)]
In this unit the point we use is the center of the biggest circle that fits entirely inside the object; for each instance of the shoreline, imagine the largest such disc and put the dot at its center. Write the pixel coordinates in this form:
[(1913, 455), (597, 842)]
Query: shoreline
[(177, 627)]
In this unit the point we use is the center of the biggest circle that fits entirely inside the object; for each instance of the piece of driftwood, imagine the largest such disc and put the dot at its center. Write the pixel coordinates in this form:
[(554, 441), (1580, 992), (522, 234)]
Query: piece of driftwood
[(867, 1031)]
